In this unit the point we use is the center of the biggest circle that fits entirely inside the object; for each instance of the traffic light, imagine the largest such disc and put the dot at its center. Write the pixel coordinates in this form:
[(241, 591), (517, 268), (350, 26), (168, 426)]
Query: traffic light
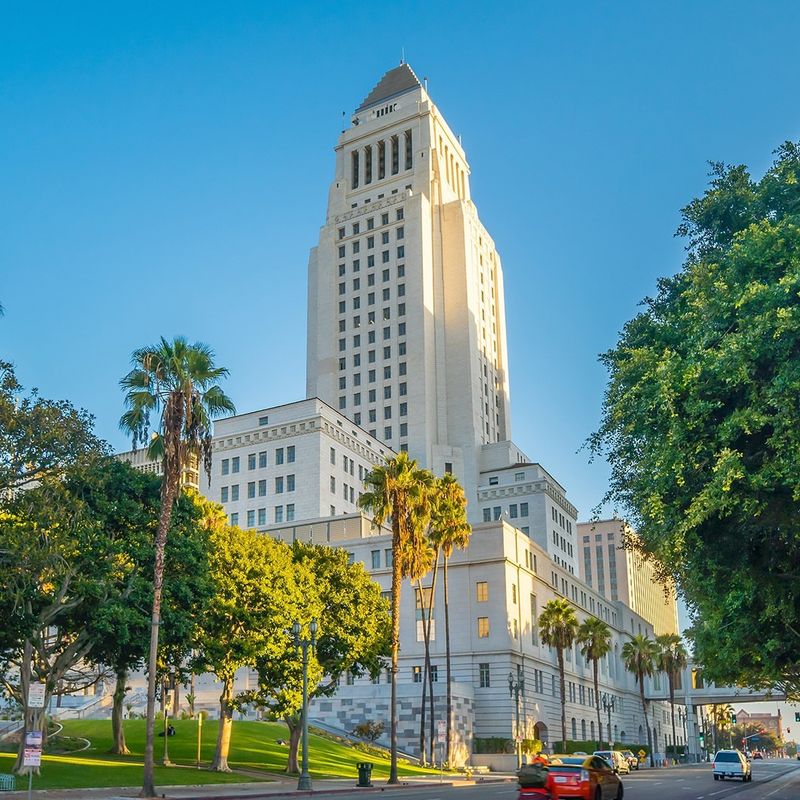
[(733, 719), (702, 740), (797, 716)]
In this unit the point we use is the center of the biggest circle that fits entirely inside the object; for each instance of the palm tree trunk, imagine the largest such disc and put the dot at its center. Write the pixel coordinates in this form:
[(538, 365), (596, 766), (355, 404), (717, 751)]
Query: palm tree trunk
[(431, 737), (119, 746), (425, 672), (169, 490), (560, 653), (397, 585), (597, 704), (672, 709), (646, 722), (449, 711), (220, 761)]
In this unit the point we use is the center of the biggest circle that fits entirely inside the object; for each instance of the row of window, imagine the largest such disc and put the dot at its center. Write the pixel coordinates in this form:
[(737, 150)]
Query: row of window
[(282, 483), (560, 541), (385, 254), (514, 511), (374, 164), (370, 224), (258, 516), (258, 460)]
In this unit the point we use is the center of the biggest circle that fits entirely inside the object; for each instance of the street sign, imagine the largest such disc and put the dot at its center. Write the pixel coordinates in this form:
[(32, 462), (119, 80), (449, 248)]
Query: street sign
[(32, 753), (441, 733), (642, 754), (36, 695)]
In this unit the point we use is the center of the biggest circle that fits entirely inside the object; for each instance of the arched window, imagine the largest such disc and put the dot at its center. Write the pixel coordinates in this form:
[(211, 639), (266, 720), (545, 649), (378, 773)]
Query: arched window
[(583, 730), (623, 736), (591, 729), (574, 728)]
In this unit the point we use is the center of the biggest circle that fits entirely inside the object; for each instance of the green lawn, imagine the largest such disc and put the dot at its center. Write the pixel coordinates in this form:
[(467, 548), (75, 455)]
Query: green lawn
[(253, 748)]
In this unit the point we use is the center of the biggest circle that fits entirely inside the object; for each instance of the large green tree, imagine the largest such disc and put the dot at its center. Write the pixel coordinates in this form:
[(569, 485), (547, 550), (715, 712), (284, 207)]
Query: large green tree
[(594, 639), (671, 660), (398, 493), (176, 382), (558, 628), (701, 424), (258, 594), (354, 635), (639, 656)]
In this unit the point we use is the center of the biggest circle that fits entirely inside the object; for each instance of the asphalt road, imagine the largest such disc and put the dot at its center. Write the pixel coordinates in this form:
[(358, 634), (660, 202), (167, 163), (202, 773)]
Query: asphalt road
[(772, 780)]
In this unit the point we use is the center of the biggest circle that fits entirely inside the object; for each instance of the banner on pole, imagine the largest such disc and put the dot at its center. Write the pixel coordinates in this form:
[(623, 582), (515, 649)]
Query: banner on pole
[(441, 734)]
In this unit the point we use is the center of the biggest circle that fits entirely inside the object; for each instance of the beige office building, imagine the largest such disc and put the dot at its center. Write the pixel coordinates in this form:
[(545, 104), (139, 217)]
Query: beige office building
[(623, 575)]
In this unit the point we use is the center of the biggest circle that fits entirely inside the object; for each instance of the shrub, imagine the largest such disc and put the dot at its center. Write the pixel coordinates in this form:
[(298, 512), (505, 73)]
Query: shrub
[(369, 730)]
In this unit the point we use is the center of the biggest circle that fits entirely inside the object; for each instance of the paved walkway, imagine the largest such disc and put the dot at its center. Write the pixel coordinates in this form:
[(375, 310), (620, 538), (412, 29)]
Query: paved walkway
[(281, 787)]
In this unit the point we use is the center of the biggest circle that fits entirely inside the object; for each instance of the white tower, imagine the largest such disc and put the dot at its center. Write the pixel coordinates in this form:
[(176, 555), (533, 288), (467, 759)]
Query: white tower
[(406, 317)]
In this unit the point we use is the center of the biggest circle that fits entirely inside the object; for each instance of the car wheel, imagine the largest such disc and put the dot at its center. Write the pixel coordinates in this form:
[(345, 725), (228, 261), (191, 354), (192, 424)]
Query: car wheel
[(598, 795), (716, 777), (620, 791)]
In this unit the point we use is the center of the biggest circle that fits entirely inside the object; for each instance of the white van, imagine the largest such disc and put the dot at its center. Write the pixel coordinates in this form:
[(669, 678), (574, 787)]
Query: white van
[(732, 764)]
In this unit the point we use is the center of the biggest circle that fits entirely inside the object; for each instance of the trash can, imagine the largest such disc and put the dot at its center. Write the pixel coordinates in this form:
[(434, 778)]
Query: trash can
[(7, 783), (364, 774)]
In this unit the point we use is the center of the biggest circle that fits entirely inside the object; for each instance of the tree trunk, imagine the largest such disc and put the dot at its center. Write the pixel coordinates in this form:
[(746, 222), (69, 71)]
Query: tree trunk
[(560, 653), (119, 746), (220, 761), (169, 490), (646, 722), (33, 719), (449, 703), (397, 586), (432, 735), (597, 704), (293, 723), (425, 672), (672, 709)]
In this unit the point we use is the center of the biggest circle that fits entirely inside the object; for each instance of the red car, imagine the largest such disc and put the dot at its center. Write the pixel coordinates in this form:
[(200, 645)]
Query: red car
[(585, 777)]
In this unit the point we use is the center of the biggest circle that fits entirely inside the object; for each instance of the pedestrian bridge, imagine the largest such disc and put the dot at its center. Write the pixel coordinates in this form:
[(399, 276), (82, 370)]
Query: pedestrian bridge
[(693, 690)]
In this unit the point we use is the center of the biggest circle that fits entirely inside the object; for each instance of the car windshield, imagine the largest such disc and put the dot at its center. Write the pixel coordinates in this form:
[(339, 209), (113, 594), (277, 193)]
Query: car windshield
[(729, 756), (570, 760)]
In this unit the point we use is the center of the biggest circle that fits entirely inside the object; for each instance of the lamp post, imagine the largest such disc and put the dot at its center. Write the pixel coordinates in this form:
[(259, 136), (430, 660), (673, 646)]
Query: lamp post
[(515, 689), (608, 706), (304, 782)]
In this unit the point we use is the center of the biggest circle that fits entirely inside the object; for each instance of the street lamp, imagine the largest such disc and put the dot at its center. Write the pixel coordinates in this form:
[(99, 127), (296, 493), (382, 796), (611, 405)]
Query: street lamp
[(608, 706), (304, 783), (515, 689)]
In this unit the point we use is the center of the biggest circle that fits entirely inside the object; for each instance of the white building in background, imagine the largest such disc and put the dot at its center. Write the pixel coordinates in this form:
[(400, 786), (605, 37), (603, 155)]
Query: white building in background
[(406, 317), (297, 461)]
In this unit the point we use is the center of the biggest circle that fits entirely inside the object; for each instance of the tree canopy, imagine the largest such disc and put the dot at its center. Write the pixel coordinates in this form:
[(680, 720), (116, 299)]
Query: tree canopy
[(701, 424)]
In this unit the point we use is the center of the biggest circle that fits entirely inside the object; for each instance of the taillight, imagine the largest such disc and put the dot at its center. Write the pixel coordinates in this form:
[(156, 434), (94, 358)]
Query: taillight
[(584, 775)]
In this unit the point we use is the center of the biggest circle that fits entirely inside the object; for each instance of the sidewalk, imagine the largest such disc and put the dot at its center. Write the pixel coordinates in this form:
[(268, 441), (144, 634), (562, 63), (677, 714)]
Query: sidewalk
[(280, 787)]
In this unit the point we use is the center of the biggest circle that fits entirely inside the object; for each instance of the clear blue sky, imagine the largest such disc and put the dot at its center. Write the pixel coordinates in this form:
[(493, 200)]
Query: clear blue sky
[(164, 170)]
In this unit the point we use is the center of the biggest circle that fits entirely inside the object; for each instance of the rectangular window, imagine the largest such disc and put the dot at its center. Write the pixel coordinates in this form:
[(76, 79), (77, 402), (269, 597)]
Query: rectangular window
[(290, 512), (483, 627), (223, 494), (251, 519), (262, 459), (235, 492), (278, 513), (279, 455), (290, 483), (534, 620), (333, 484), (235, 519), (483, 673), (225, 466), (279, 485), (251, 489), (487, 514), (482, 591), (262, 516), (376, 559), (235, 464), (523, 509), (290, 454), (387, 558), (262, 488), (416, 674), (251, 461)]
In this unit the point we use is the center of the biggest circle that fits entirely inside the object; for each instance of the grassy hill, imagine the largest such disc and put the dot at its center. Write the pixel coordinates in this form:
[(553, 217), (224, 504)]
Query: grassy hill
[(254, 749)]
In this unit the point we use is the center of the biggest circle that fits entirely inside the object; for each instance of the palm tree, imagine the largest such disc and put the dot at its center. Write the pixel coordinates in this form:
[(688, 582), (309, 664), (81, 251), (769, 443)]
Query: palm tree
[(399, 492), (672, 658), (449, 529), (558, 627), (639, 656), (594, 638), (178, 382)]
